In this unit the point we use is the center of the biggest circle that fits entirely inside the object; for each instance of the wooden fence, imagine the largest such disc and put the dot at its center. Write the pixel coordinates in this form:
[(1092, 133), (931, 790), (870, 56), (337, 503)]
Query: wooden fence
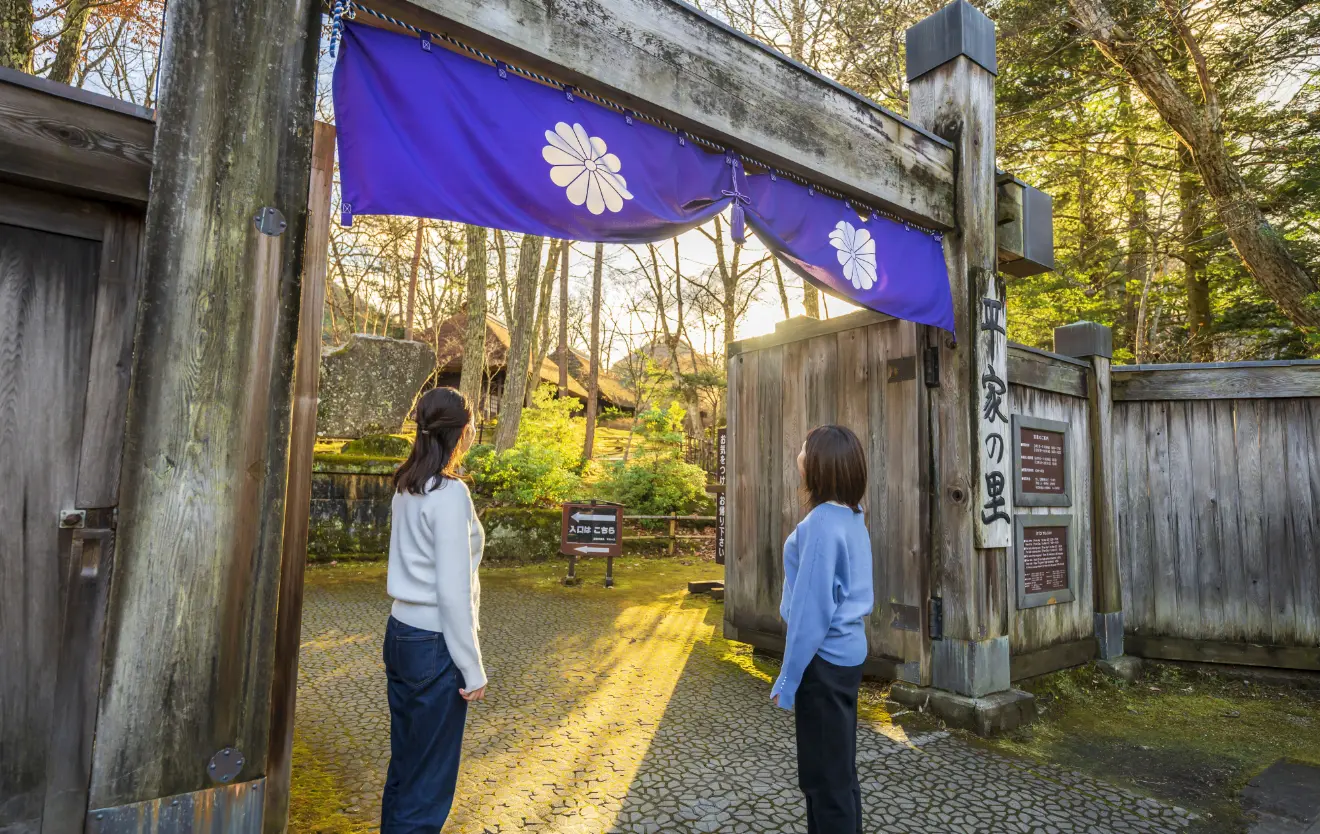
[(1217, 501), (1190, 495)]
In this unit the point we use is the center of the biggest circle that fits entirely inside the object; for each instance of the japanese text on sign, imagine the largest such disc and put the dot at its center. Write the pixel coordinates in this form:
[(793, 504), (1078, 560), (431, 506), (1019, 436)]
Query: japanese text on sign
[(992, 472)]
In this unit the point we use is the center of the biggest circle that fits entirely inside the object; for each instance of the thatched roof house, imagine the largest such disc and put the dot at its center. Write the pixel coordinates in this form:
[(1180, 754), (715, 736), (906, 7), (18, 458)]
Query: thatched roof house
[(449, 338)]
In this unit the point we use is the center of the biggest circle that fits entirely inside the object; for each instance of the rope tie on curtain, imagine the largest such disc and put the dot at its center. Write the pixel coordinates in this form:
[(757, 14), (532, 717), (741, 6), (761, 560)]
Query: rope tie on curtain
[(737, 217)]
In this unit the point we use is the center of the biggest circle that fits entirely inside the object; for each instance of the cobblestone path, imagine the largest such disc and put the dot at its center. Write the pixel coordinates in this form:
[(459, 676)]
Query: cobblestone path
[(606, 716)]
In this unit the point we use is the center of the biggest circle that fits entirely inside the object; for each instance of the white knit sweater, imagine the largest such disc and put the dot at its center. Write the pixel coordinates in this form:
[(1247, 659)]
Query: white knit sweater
[(436, 541)]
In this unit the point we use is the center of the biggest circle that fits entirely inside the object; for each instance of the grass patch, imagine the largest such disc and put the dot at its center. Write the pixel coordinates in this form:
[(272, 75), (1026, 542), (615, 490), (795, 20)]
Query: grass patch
[(1191, 737), (315, 803)]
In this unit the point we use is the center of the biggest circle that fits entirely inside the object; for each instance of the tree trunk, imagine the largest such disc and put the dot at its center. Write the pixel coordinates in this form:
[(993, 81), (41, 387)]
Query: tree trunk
[(16, 35), (783, 294), (810, 300), (69, 51), (561, 355), (1138, 238), (412, 281), (1195, 279), (541, 338), (502, 257), (521, 337), (474, 340), (1262, 250), (593, 375)]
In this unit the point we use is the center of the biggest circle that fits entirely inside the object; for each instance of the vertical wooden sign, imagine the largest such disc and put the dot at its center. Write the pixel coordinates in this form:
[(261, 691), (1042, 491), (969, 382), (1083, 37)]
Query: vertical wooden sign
[(994, 522), (721, 499)]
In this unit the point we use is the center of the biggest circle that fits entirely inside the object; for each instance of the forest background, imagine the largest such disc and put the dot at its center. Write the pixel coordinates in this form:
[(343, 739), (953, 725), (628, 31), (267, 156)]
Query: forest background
[(1179, 140)]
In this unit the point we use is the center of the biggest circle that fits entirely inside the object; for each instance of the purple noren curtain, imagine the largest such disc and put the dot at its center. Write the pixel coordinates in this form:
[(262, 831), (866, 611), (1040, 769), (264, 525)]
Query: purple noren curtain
[(424, 131)]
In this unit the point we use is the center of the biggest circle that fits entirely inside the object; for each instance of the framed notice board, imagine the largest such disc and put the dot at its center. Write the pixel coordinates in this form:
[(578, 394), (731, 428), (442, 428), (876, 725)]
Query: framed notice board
[(1045, 556), (1042, 462)]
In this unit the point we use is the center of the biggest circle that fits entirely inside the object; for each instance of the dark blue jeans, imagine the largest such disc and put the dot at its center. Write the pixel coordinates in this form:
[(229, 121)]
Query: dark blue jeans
[(426, 730), (826, 717)]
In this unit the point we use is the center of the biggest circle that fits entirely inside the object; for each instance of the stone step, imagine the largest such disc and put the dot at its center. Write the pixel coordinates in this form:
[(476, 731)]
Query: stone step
[(705, 586)]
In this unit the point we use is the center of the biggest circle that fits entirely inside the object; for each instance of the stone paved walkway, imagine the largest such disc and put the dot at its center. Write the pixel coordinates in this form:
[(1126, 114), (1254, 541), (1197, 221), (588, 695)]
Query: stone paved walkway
[(605, 716)]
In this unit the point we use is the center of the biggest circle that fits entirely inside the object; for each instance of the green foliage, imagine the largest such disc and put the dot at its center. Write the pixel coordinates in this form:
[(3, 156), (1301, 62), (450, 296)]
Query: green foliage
[(549, 424), (543, 467), (610, 414), (658, 486), (525, 475), (663, 426), (380, 446)]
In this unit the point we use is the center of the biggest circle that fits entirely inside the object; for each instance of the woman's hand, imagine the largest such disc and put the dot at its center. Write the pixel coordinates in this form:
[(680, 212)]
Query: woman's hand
[(475, 695), (775, 700)]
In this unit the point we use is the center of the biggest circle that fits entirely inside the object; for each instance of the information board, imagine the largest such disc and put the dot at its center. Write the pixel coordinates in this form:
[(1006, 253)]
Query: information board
[(1045, 559), (1043, 551), (591, 530), (1041, 462)]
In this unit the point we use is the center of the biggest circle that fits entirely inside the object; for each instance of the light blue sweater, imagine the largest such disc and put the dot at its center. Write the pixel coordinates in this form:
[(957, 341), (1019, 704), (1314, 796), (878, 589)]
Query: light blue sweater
[(827, 594)]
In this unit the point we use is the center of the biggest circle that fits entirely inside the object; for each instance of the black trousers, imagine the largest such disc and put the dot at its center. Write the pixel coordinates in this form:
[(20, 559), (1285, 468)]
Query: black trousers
[(826, 715)]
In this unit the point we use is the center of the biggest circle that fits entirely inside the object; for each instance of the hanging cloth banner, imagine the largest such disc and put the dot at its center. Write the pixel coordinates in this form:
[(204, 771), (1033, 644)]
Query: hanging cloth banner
[(876, 262), (431, 133), (424, 131)]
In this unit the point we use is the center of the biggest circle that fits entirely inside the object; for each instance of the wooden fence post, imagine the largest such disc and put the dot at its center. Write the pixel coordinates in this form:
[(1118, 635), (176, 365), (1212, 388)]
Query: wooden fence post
[(1095, 342), (951, 71), (191, 622)]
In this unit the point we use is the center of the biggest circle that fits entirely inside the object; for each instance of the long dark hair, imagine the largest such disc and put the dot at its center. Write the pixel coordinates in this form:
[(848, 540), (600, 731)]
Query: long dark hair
[(442, 415), (834, 468)]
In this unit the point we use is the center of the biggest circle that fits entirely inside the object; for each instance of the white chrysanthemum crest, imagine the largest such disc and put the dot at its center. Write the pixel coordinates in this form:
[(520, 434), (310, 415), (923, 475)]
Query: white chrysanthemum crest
[(581, 166), (856, 251)]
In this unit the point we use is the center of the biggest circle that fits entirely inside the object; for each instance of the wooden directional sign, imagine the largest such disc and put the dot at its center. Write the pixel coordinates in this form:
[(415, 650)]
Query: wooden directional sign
[(591, 530)]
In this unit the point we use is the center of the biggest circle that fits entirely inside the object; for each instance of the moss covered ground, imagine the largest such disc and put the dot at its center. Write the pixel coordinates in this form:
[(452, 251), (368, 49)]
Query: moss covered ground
[(315, 801), (1189, 735)]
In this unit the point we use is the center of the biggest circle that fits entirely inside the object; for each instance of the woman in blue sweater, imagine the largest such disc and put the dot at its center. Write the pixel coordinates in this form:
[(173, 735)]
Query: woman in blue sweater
[(827, 597)]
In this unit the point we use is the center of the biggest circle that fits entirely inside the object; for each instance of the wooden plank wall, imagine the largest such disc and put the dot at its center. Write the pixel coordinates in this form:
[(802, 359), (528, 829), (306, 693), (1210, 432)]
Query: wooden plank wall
[(779, 388), (1217, 505), (1035, 629)]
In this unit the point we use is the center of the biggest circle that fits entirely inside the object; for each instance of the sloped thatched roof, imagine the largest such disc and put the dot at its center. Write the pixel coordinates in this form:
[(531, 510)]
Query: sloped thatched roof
[(449, 352)]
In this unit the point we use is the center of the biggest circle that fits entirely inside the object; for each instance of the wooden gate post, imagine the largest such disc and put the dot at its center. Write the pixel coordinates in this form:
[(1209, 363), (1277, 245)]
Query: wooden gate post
[(191, 623), (951, 73), (1095, 342)]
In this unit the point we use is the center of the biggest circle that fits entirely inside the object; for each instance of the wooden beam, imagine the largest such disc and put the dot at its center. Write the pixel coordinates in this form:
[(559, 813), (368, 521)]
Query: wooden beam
[(1051, 659), (799, 328), (1038, 369), (1219, 381), (298, 495), (1236, 654), (189, 634), (673, 61), (74, 141)]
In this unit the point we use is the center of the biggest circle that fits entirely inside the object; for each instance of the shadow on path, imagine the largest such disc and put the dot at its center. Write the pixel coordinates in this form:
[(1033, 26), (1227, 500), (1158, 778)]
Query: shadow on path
[(607, 715)]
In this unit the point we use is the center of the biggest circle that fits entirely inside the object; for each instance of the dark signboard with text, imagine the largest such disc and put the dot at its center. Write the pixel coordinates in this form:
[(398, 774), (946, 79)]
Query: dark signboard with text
[(591, 530), (1041, 463), (1043, 552)]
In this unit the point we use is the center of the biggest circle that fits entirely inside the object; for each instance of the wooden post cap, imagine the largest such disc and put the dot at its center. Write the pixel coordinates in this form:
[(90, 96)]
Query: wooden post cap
[(1084, 338), (957, 29)]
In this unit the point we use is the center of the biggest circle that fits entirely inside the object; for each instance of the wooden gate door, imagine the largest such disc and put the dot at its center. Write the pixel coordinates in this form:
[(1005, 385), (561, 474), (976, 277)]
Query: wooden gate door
[(68, 303), (862, 370)]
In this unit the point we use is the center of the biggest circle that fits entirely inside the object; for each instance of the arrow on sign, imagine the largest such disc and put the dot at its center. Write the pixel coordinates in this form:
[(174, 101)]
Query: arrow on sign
[(586, 548), (581, 516)]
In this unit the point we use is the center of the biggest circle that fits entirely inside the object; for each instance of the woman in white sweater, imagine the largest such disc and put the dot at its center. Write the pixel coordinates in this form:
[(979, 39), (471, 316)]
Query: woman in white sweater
[(432, 657)]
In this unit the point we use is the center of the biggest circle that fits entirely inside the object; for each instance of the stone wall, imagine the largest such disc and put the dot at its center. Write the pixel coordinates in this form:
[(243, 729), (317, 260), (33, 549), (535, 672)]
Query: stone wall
[(350, 518)]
